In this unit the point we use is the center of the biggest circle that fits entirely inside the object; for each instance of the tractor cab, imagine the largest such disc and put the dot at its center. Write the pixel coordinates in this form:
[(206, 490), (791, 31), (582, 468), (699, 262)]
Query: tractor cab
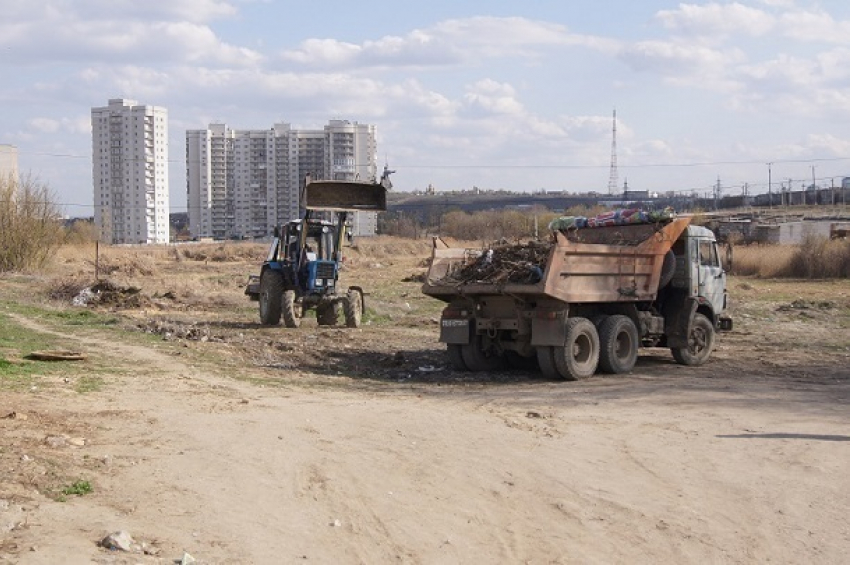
[(308, 250)]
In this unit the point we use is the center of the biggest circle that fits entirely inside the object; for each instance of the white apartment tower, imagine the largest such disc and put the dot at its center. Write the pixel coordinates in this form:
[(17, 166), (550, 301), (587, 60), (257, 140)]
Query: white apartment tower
[(238, 182), (8, 163), (130, 172), (241, 183)]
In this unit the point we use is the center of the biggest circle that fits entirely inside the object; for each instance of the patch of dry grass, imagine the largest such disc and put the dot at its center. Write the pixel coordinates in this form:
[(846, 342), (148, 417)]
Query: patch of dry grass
[(815, 258), (765, 261)]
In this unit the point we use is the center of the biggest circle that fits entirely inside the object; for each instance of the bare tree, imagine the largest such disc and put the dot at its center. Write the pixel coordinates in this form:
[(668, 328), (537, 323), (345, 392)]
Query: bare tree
[(30, 225)]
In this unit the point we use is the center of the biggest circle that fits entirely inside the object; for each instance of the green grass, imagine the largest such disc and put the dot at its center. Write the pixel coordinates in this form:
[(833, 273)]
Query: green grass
[(79, 488), (88, 383), (83, 318)]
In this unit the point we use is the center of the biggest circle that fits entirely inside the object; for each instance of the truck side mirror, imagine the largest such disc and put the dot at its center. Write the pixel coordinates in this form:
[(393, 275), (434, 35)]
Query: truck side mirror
[(728, 261), (276, 231)]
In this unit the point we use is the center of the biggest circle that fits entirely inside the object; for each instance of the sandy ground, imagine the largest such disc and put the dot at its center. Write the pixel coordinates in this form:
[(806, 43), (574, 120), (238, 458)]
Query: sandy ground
[(265, 445)]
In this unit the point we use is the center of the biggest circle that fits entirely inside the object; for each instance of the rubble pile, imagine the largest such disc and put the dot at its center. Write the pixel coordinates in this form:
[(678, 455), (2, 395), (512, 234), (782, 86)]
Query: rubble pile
[(521, 263)]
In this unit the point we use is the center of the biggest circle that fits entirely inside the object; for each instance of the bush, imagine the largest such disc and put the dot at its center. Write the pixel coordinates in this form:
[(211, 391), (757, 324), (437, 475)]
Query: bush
[(819, 258), (29, 224), (815, 258)]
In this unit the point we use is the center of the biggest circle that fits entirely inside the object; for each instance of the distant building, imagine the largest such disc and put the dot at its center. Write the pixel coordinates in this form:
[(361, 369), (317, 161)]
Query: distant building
[(130, 172), (241, 183), (8, 162)]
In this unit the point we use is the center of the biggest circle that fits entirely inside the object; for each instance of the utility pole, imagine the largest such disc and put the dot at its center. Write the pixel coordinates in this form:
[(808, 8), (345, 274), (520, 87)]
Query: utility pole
[(769, 185), (716, 192)]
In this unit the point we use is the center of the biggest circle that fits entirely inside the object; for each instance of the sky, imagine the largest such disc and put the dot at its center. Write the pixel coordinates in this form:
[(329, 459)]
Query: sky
[(492, 94)]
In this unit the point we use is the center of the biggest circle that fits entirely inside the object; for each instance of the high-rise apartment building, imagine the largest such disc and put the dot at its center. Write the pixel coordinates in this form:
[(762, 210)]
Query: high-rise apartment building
[(241, 183), (8, 163), (130, 172)]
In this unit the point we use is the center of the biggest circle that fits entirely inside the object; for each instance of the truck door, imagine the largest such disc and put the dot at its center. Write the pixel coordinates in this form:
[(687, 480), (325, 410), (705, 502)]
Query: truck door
[(712, 277)]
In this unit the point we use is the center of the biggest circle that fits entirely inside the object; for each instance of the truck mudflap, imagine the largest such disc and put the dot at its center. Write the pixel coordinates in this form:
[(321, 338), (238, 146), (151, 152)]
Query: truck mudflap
[(456, 330), (724, 324), (679, 324), (548, 327)]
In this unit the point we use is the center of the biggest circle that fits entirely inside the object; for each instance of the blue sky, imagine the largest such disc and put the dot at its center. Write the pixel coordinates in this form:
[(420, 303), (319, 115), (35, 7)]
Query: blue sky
[(492, 94)]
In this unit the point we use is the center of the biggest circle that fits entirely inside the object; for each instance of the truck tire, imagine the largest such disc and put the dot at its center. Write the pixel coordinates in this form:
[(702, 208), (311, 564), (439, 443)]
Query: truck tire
[(353, 307), (291, 310), (327, 314), (700, 343), (455, 352), (519, 362), (618, 344), (579, 356), (271, 295), (478, 356), (668, 269), (546, 360)]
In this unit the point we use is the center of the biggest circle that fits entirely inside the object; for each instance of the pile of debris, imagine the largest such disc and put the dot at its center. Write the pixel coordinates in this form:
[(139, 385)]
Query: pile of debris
[(174, 330), (106, 293), (521, 263)]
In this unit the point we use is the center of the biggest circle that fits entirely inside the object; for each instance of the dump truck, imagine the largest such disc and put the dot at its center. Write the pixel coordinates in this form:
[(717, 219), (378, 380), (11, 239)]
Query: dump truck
[(301, 270), (583, 301)]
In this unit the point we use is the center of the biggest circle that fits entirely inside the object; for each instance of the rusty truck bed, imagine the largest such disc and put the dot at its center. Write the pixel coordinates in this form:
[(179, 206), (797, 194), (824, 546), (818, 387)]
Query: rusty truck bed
[(608, 264)]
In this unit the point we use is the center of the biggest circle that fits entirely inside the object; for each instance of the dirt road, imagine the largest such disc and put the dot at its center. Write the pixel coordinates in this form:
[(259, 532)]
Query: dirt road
[(212, 436), (667, 465)]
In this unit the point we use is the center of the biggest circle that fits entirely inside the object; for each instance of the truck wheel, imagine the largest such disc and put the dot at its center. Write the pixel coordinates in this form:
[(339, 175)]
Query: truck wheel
[(353, 307), (579, 356), (618, 344), (327, 314), (271, 295), (478, 356), (456, 357), (700, 343), (668, 269), (291, 310), (519, 362), (546, 360)]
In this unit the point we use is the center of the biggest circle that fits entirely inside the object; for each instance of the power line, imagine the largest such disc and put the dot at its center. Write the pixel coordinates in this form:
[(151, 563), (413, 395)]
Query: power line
[(510, 166)]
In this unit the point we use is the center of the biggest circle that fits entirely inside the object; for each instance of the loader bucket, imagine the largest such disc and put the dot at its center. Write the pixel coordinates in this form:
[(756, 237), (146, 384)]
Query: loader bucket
[(345, 195)]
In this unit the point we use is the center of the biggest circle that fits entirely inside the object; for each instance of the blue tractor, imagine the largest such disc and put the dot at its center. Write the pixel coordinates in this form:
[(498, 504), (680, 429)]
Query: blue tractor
[(301, 270)]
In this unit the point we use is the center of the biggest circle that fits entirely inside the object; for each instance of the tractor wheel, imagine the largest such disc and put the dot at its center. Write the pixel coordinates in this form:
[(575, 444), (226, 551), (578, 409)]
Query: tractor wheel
[(618, 344), (455, 352), (579, 356), (291, 310), (328, 314), (353, 307), (271, 295), (700, 343), (479, 356)]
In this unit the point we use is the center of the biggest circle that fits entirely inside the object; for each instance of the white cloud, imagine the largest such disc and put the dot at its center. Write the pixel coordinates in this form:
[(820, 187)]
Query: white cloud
[(449, 42), (809, 27), (169, 32), (685, 63), (492, 97), (80, 125), (712, 20)]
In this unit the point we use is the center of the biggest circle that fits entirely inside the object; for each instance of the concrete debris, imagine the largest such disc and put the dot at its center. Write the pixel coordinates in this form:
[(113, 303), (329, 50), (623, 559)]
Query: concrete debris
[(121, 541), (171, 331), (84, 298), (56, 441)]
